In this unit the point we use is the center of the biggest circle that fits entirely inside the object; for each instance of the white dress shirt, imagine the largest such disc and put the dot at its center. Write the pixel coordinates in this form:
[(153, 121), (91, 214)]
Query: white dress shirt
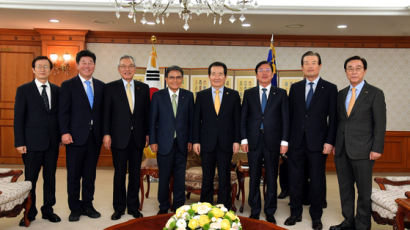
[(313, 86), (40, 89)]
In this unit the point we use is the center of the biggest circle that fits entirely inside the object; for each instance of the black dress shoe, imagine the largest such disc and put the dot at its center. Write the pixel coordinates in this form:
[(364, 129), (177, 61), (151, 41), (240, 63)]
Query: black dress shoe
[(283, 194), (91, 212), (317, 225), (116, 215), (23, 222), (162, 212), (52, 217), (74, 216), (135, 214), (271, 219), (291, 220), (256, 217), (342, 226)]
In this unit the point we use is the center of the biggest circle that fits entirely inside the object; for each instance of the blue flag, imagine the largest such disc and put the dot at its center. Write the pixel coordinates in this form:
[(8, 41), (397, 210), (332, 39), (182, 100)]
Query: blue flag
[(272, 59)]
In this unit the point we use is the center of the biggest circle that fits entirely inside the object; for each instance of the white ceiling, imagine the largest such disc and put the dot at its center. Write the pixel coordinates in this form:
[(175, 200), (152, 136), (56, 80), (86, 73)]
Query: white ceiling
[(318, 18)]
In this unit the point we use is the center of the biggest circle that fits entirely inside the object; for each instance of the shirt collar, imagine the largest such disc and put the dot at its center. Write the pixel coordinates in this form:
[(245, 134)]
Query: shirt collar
[(126, 82), (358, 86), (39, 84), (314, 81), (172, 92), (267, 87), (221, 90), (83, 79)]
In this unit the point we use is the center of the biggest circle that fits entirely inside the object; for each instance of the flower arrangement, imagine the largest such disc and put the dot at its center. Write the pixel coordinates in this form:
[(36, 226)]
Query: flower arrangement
[(203, 216)]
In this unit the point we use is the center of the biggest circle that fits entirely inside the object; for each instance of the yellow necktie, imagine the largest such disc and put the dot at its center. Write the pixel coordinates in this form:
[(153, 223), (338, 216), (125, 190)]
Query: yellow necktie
[(129, 97), (217, 102), (351, 102)]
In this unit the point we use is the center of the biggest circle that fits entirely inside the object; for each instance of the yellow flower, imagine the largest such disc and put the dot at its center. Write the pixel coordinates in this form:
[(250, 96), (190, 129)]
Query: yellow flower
[(217, 212), (231, 216), (225, 224), (203, 219), (193, 224), (179, 212), (195, 207)]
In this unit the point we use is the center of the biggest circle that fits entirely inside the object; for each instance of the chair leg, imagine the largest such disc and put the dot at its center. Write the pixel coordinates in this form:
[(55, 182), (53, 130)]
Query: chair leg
[(171, 188), (234, 187), (188, 195), (242, 188), (142, 191), (148, 185), (27, 206)]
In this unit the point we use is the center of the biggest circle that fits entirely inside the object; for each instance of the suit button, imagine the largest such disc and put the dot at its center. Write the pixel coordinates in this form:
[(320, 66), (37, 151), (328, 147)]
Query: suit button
[(306, 115), (132, 127), (263, 117)]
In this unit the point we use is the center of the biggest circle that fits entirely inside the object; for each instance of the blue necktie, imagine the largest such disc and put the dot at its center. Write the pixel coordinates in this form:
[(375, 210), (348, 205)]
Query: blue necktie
[(310, 95), (90, 94), (264, 100)]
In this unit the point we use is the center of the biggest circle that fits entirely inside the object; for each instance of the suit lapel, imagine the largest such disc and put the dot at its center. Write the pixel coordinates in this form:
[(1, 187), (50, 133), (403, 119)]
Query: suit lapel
[(225, 98), (209, 96), (37, 96), (272, 95), (123, 95), (343, 103), (181, 100), (316, 95), (53, 97), (363, 94)]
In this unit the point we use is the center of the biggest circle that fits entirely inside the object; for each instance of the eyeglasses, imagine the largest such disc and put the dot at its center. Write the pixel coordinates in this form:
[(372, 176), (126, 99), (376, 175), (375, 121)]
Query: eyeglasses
[(42, 67), (127, 66), (351, 69), (175, 77), (264, 70)]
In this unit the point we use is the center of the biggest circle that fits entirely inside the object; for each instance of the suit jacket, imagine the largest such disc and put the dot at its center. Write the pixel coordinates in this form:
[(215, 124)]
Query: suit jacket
[(319, 122), (34, 126), (119, 122), (75, 112), (363, 131), (210, 128), (163, 123), (275, 118)]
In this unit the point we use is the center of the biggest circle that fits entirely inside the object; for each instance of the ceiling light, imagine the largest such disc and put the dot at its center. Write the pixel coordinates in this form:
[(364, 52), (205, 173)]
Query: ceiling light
[(184, 8), (151, 23), (294, 26), (54, 20), (246, 25), (342, 26)]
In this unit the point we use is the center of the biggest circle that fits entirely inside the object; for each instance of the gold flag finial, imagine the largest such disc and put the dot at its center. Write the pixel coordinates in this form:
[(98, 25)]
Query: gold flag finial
[(154, 52), (153, 39)]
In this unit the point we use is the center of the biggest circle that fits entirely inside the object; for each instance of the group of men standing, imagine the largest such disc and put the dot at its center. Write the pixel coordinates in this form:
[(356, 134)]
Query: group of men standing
[(303, 127)]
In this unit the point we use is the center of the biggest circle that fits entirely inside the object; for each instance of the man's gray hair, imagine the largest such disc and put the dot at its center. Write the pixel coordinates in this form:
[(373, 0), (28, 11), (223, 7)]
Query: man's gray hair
[(126, 56)]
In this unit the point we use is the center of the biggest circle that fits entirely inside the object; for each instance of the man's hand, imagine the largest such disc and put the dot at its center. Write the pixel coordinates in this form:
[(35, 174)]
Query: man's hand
[(189, 146), (334, 151), (107, 142), (22, 149), (67, 139), (154, 148), (327, 148), (146, 141), (197, 148), (235, 148), (374, 155), (283, 149), (245, 148)]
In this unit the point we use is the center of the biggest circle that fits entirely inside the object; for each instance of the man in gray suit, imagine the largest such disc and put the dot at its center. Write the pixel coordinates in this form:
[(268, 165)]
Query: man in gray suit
[(361, 111)]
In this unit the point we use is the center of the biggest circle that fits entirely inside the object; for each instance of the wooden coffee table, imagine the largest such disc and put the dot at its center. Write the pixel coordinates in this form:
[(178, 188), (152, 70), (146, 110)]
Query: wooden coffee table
[(403, 210), (159, 221)]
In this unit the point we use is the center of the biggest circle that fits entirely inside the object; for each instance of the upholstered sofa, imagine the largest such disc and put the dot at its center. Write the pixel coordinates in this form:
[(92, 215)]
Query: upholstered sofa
[(14, 196), (384, 207)]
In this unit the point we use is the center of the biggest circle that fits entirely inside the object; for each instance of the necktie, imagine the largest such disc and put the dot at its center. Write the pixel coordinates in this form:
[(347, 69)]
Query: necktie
[(351, 102), (217, 102), (129, 97), (264, 100), (174, 104), (45, 97), (90, 94), (310, 95)]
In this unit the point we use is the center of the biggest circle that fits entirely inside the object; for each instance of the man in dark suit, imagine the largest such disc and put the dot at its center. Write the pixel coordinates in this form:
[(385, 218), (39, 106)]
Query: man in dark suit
[(126, 116), (361, 113), (80, 118), (216, 134), (312, 107), (264, 132), (36, 135), (172, 114)]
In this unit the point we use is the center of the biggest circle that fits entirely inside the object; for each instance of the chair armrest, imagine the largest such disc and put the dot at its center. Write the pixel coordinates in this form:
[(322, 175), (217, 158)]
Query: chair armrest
[(15, 174), (407, 194), (381, 181)]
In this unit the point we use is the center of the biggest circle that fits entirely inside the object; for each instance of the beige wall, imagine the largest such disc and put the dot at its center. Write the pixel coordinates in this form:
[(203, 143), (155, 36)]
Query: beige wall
[(388, 69)]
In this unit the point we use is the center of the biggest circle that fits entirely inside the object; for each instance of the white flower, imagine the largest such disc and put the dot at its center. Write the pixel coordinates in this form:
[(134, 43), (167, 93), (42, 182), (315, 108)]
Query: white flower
[(219, 220), (224, 209), (220, 206), (203, 209), (180, 229), (186, 207), (235, 226), (215, 225), (185, 216), (181, 224), (213, 219), (196, 217), (169, 222)]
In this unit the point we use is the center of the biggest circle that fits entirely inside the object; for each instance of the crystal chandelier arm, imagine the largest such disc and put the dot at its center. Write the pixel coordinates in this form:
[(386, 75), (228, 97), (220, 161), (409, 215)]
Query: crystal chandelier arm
[(165, 9)]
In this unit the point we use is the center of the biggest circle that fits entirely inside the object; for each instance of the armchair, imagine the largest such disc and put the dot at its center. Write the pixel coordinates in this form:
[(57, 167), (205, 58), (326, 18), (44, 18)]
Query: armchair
[(384, 206), (14, 196)]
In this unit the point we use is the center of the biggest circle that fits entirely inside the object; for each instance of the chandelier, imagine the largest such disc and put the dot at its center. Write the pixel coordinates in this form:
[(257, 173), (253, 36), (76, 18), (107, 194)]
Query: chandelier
[(160, 9)]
